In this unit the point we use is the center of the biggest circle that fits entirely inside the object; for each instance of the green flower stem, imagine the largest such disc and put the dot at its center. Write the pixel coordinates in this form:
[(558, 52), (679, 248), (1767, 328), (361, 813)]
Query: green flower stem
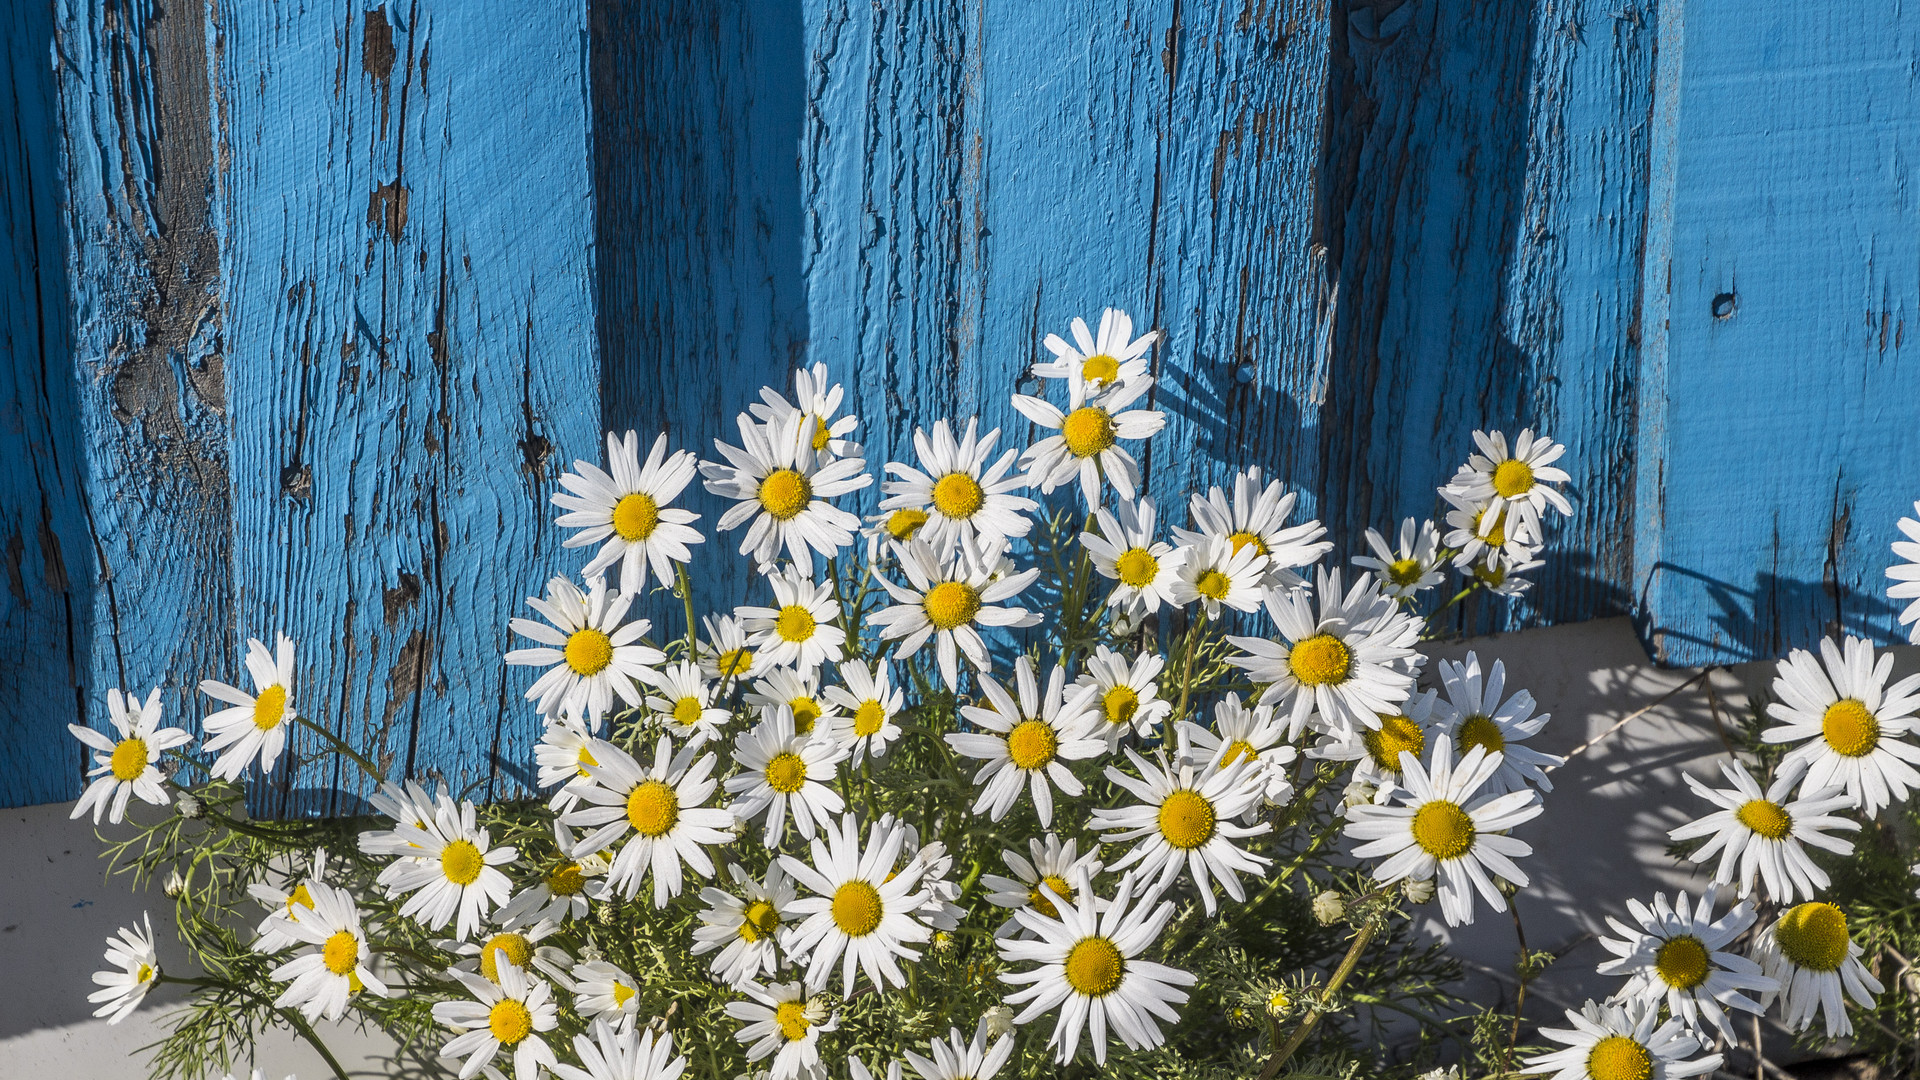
[(1194, 634), (1361, 938), (373, 771), (292, 1017), (684, 586)]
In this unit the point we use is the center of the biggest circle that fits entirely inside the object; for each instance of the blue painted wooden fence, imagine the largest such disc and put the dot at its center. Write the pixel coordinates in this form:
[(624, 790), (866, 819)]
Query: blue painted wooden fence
[(305, 310)]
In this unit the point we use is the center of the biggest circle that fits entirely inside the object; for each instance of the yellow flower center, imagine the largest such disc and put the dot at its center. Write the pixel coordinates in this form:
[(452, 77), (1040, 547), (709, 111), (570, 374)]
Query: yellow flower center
[(146, 972), (586, 758), (902, 524), (1137, 568), (518, 949), (1814, 936), (1094, 967), (341, 953), (1479, 729), (270, 708), (822, 435), (1769, 819), (958, 496), (1442, 830), (1031, 744), (1403, 572), (354, 985), (856, 908), (868, 718), (461, 862), (795, 624), (299, 896), (1279, 1002), (1848, 727), (653, 808), (1100, 368), (688, 711), (1120, 703), (1186, 819), (589, 651), (1212, 584), (950, 604), (1242, 539), (509, 1021), (129, 760), (1237, 749), (1496, 538), (567, 879), (1618, 1057), (792, 1018), (622, 993), (806, 712), (1088, 430), (786, 773), (1682, 962), (1512, 477), (760, 921), (784, 493), (1397, 732), (635, 516), (734, 663), (1039, 899), (1320, 660)]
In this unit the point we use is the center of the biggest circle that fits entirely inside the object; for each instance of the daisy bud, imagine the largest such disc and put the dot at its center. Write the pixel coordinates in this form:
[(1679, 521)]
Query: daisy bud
[(999, 1021), (1358, 793), (1278, 1003), (942, 941), (603, 913), (1418, 891), (190, 806), (1328, 908), (175, 885)]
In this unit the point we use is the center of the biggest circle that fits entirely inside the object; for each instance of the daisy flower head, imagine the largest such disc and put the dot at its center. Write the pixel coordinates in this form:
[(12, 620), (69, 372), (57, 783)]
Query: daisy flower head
[(658, 810), (779, 1022), (683, 703), (1849, 723), (1410, 568), (1622, 1041), (947, 599), (886, 531), (864, 913), (1026, 744), (626, 511), (1184, 821), (955, 1058), (815, 400), (285, 906), (519, 947), (339, 962), (1256, 516), (1503, 578), (1474, 715), (591, 653), (1437, 826), (1127, 695), (1345, 657), (1241, 734), (781, 770), (1219, 575), (1763, 834), (624, 1053), (1813, 958), (606, 993), (796, 691), (959, 496), (404, 804), (509, 1016), (564, 752), (1089, 967), (726, 656), (1483, 538), (135, 970), (1100, 362), (1087, 445), (124, 767), (1055, 864), (1678, 954), (562, 891), (745, 924), (256, 724), (1124, 551), (1377, 749), (1905, 574), (781, 485), (798, 631), (1514, 485), (865, 705), (454, 873)]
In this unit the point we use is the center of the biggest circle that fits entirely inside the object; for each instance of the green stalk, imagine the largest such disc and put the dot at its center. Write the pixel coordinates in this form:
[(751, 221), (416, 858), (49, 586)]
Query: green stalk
[(292, 1017), (339, 744), (1360, 939)]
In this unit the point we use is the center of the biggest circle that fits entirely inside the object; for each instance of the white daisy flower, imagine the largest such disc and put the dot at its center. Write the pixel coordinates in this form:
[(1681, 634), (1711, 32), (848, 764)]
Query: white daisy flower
[(520, 948), (606, 994), (125, 767), (1505, 579), (256, 726), (1087, 445), (591, 654), (782, 770), (862, 720), (816, 400), (725, 655), (1679, 955), (948, 599), (1027, 744), (1256, 517), (1474, 715), (1124, 551), (1761, 834), (627, 512), (659, 810), (562, 891), (1409, 569), (405, 804), (1183, 821), (1905, 574), (684, 705), (799, 631), (136, 971), (1620, 1041), (745, 924), (1481, 537), (1378, 749), (1514, 486), (1439, 827), (1348, 663), (1810, 954), (508, 1016), (1243, 734), (798, 692), (1217, 575), (961, 498), (1090, 968), (337, 967), (935, 867), (958, 1059), (1056, 864), (285, 907), (885, 531), (863, 912), (782, 485), (564, 752), (780, 1023), (1848, 721), (455, 873), (1127, 695), (1113, 358), (623, 1054)]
